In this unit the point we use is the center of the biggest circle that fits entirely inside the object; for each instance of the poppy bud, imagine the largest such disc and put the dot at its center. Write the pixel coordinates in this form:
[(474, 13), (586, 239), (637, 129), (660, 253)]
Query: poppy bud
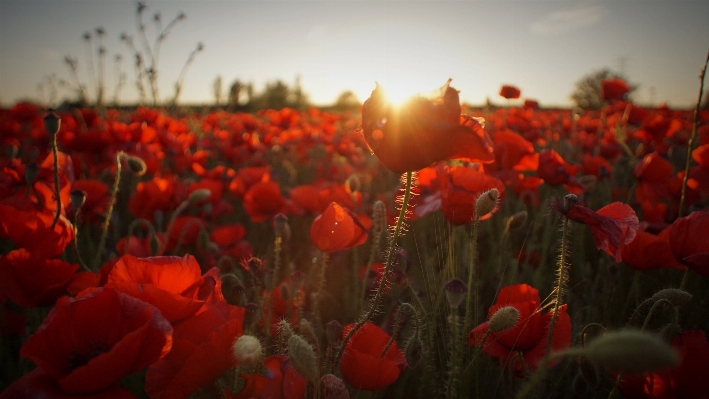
[(569, 201), (78, 197), (516, 221), (456, 290), (199, 195), (333, 330), (332, 387), (281, 227), (302, 357), (306, 330), (353, 183), (631, 351), (284, 330), (675, 296), (486, 202), (247, 350), (670, 331), (504, 319), (136, 165), (52, 122), (413, 351), (31, 172)]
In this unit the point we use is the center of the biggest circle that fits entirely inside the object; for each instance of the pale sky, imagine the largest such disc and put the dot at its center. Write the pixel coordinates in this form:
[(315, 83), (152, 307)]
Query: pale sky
[(542, 47)]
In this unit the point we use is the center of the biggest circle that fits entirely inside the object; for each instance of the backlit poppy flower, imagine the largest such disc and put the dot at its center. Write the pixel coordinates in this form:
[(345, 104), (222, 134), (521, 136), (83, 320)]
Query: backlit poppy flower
[(529, 336), (689, 239), (200, 354), (37, 384), (510, 92), (685, 382), (277, 307), (31, 281), (555, 171), (362, 364), (172, 284), (88, 344), (157, 194), (337, 229), (422, 131), (460, 188), (263, 200), (648, 251), (513, 152), (31, 228), (614, 89), (613, 226), (281, 381)]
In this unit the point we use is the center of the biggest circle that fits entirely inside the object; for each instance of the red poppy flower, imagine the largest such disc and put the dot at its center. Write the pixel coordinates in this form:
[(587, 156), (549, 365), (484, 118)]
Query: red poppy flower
[(460, 188), (157, 194), (184, 233), (613, 226), (37, 384), (648, 251), (263, 200), (596, 166), (29, 227), (282, 381), (306, 198), (555, 171), (614, 89), (173, 284), (31, 281), (510, 92), (530, 104), (689, 240), (529, 335), (689, 380), (200, 354), (337, 229), (422, 131), (513, 152), (88, 344), (362, 365)]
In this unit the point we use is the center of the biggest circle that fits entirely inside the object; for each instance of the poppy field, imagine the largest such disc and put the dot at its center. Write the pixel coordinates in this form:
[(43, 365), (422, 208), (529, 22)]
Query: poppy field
[(420, 250)]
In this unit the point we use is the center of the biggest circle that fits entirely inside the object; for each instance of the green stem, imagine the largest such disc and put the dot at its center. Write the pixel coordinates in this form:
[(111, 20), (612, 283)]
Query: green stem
[(57, 196), (559, 284), (174, 216), (468, 322), (111, 204), (387, 270), (77, 216), (321, 289)]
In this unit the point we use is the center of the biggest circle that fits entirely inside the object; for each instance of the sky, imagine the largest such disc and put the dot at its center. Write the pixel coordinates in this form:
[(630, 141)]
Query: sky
[(542, 47)]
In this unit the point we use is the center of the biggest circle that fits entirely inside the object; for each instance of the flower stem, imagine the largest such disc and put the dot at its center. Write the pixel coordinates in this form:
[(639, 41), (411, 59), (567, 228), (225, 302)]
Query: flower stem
[(468, 322), (387, 270), (111, 203), (57, 196), (559, 284)]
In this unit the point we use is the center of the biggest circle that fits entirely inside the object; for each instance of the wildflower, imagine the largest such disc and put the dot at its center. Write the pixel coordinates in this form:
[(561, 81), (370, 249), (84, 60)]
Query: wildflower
[(337, 229), (422, 131), (614, 89), (529, 335), (689, 240), (282, 381), (263, 200), (31, 281), (362, 364), (648, 251), (510, 92), (461, 187), (88, 344)]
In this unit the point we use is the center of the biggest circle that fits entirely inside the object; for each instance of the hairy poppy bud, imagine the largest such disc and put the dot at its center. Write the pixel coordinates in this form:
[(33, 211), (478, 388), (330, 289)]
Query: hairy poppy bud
[(78, 197), (504, 319), (413, 351), (302, 357), (52, 122), (486, 202), (516, 221), (199, 195), (631, 351), (676, 296), (456, 290), (247, 350), (136, 165), (332, 387)]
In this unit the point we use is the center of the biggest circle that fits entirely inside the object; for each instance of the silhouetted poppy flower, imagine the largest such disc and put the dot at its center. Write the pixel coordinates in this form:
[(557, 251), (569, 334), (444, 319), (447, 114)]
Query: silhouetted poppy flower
[(613, 226), (200, 354), (689, 380), (648, 251), (510, 92), (529, 336), (460, 188), (337, 229), (263, 200), (88, 344), (29, 227), (281, 381), (173, 284), (31, 281), (689, 239), (362, 364), (531, 104), (614, 89), (38, 384), (422, 131)]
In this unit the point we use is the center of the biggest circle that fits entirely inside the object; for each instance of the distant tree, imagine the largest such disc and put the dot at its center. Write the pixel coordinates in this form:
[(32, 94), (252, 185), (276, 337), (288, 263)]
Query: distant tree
[(587, 92), (347, 101)]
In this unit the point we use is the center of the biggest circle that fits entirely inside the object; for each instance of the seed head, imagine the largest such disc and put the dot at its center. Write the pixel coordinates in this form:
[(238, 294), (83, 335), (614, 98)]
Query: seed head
[(504, 319), (247, 350)]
